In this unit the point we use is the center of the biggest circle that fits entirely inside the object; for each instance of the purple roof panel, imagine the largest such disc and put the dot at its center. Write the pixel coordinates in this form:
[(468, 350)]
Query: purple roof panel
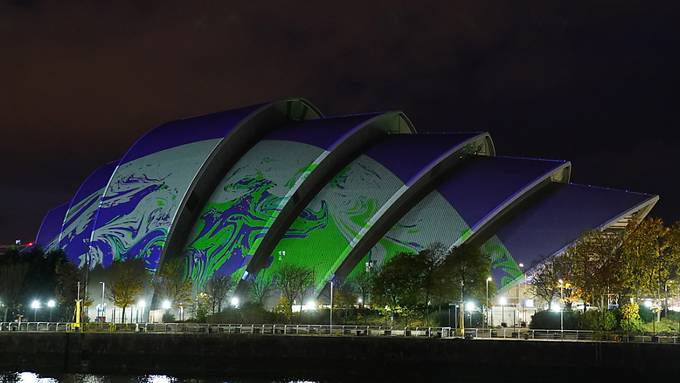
[(95, 181), (559, 215), (477, 187), (51, 225), (407, 155), (325, 133), (180, 132)]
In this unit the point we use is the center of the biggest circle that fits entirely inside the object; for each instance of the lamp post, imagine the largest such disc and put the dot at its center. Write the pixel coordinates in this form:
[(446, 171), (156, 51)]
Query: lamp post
[(330, 331), (486, 319), (103, 313), (561, 307), (519, 286), (35, 305), (51, 304)]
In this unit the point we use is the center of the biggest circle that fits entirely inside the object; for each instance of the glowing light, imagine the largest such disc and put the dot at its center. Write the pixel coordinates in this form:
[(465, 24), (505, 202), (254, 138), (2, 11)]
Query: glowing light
[(141, 303), (309, 306), (166, 304), (555, 307), (234, 302), (51, 303), (489, 279), (503, 301), (35, 304), (360, 301), (470, 306)]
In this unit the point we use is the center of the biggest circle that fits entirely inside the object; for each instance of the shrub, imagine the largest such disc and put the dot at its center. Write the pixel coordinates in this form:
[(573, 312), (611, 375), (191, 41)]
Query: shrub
[(630, 318), (599, 320), (550, 320)]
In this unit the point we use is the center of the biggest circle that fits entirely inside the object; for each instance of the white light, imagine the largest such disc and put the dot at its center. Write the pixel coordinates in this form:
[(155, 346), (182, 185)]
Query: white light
[(35, 304), (360, 301), (159, 379), (521, 264), (141, 303), (166, 304), (503, 301), (529, 303), (555, 307), (234, 301), (309, 306), (51, 303), (648, 303), (489, 279), (470, 306)]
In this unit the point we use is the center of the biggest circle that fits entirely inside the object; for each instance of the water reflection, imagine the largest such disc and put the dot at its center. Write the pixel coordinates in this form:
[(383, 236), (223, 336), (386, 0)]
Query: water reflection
[(30, 377)]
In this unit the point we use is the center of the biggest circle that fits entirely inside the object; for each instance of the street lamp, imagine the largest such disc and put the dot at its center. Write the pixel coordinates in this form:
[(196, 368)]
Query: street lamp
[(234, 302), (51, 304), (486, 321), (35, 305), (561, 305), (166, 305), (330, 329), (519, 286), (103, 313)]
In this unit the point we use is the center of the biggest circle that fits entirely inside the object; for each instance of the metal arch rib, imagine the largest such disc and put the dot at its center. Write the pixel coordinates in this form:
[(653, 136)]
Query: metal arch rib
[(223, 157), (405, 199), (479, 230), (339, 155)]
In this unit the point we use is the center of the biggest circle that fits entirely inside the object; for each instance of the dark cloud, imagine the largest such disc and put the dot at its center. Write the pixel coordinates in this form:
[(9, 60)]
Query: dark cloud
[(593, 82)]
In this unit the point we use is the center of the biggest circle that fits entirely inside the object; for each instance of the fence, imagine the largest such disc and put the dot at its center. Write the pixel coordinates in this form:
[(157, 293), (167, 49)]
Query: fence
[(341, 330)]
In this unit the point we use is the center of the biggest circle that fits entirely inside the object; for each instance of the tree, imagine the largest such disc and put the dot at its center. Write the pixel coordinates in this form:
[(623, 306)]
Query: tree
[(432, 257), (171, 283), (592, 264), (66, 290), (646, 258), (128, 279), (217, 288), (463, 274), (544, 283), (12, 277), (292, 281), (399, 282), (260, 288), (672, 285)]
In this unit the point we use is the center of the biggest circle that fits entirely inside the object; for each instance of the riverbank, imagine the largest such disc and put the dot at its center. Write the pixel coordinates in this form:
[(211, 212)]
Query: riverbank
[(320, 357)]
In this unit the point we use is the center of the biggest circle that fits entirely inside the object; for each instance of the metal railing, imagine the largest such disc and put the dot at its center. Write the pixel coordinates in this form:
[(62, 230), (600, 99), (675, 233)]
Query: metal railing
[(341, 330)]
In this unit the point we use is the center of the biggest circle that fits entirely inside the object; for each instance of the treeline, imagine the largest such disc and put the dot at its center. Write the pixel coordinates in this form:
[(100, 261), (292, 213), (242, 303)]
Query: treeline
[(33, 276), (621, 269), (409, 289)]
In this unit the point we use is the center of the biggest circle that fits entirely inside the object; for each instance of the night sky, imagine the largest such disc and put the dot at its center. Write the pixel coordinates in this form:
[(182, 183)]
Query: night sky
[(594, 82)]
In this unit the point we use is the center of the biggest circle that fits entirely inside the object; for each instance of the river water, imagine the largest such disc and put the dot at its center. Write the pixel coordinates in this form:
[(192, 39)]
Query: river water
[(30, 377)]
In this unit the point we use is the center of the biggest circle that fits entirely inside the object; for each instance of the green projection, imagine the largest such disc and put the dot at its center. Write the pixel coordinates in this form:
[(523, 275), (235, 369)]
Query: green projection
[(323, 234)]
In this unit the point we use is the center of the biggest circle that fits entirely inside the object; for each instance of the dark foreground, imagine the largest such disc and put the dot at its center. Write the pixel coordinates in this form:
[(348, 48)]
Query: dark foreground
[(331, 358)]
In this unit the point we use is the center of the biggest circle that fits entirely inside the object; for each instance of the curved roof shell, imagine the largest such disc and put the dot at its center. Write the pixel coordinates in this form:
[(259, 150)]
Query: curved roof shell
[(468, 194), (244, 191)]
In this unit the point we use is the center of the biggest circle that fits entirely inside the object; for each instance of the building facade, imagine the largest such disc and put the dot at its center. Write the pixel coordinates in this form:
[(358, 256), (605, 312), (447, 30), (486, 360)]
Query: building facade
[(244, 191)]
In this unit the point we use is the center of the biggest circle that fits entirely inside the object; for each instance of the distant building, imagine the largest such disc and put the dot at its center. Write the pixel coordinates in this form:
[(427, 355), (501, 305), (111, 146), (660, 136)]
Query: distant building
[(244, 191)]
